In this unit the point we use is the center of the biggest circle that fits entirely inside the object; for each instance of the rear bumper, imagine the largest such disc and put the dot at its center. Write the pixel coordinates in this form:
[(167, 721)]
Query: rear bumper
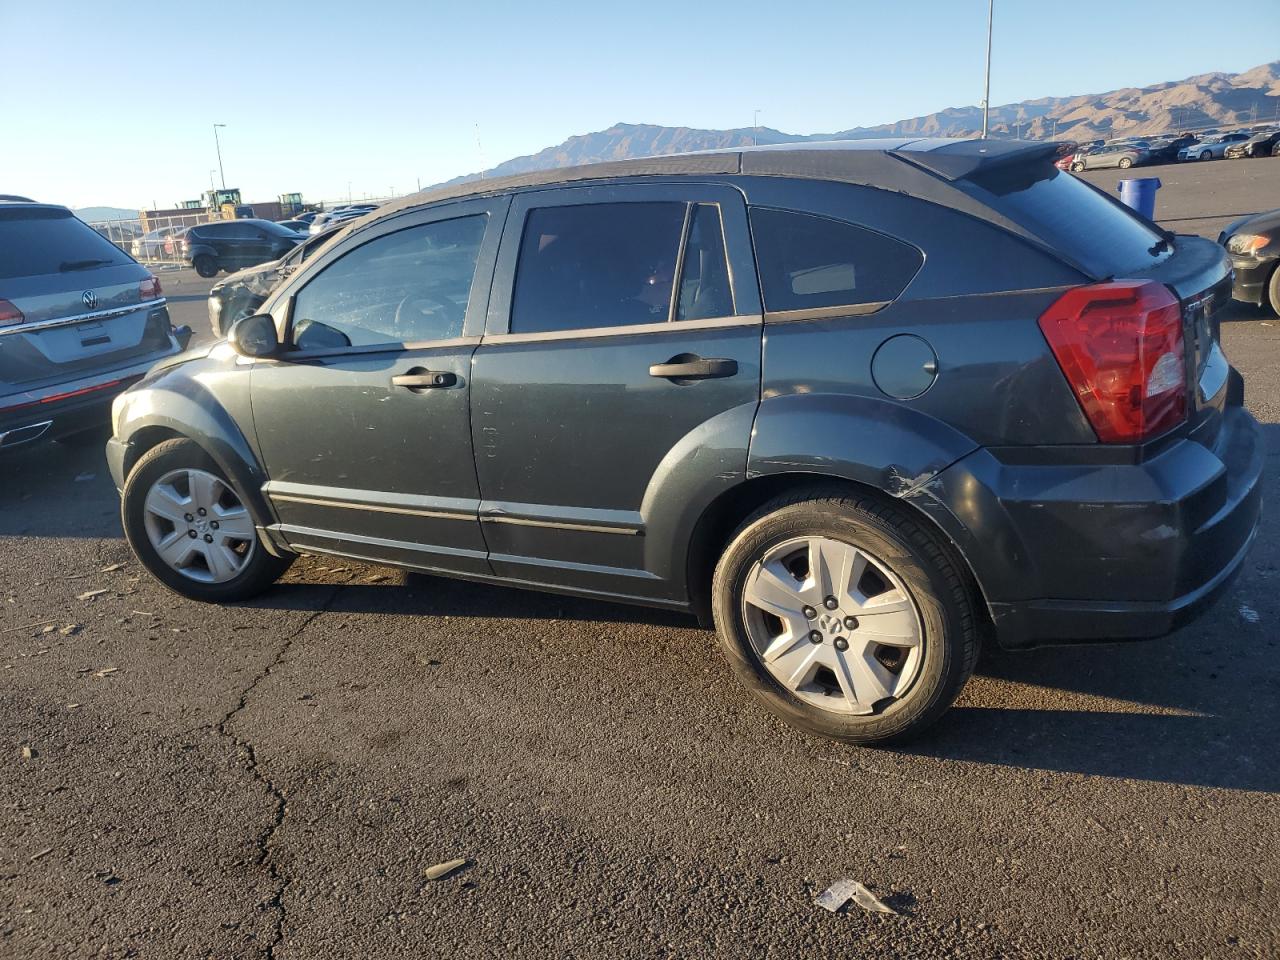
[(1083, 553), (1251, 277), (67, 408)]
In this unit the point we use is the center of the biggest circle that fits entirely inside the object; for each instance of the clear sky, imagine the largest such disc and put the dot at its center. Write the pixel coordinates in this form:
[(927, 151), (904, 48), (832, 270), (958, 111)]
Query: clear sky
[(113, 104)]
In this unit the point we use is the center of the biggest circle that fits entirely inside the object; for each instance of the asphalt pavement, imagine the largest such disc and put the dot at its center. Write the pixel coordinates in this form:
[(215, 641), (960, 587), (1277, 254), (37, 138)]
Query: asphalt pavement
[(275, 778)]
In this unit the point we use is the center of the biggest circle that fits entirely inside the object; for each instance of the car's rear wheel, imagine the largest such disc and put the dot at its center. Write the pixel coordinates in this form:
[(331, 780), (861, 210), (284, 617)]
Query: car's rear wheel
[(189, 526), (1077, 166), (1125, 163), (205, 266), (845, 617), (1273, 289)]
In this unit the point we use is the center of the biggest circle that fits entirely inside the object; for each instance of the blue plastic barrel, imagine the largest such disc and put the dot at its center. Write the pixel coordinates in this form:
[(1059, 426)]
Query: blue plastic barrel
[(1140, 194)]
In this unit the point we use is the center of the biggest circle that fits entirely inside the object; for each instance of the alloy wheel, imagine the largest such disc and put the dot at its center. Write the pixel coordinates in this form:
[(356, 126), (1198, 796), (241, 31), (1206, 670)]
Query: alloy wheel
[(197, 525), (833, 624)]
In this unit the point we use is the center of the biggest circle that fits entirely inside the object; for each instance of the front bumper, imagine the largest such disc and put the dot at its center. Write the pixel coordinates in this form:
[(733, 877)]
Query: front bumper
[(1251, 278), (1109, 551)]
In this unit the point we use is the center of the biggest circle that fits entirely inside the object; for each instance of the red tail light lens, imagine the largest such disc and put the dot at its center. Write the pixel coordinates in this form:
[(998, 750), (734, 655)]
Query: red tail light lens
[(149, 289), (1120, 346), (9, 314)]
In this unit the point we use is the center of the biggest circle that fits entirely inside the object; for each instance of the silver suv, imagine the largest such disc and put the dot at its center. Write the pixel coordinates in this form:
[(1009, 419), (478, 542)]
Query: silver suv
[(80, 320)]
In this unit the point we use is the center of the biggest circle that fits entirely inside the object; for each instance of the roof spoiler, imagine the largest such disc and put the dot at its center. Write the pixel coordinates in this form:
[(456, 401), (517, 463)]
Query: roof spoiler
[(956, 161)]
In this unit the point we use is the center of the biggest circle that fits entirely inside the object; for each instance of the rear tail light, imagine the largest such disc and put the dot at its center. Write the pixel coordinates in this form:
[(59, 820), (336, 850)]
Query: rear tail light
[(9, 314), (1120, 346), (149, 289)]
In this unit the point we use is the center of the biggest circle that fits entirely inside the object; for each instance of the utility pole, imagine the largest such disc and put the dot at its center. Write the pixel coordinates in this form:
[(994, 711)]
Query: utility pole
[(986, 95), (222, 176), (755, 127)]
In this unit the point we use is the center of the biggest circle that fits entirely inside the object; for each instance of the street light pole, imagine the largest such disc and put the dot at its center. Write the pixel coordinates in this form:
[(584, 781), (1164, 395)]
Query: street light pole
[(986, 95), (222, 176)]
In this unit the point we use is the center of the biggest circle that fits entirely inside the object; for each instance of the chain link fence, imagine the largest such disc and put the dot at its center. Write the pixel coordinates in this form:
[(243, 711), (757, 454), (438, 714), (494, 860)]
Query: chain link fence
[(153, 240)]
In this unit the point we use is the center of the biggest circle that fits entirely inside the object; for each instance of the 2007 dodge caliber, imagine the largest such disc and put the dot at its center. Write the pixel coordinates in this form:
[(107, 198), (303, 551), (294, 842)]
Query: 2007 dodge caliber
[(859, 404)]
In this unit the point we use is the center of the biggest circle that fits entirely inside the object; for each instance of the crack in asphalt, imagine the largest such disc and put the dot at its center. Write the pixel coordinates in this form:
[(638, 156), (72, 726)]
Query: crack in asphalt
[(246, 748)]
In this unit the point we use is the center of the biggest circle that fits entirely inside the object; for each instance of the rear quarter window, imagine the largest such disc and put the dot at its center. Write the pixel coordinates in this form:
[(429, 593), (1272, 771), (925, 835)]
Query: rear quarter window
[(811, 262), (35, 242)]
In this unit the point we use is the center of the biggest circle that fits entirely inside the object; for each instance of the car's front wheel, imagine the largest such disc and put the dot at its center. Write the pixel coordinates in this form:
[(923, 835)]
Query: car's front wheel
[(1206, 155), (845, 617), (1077, 166), (189, 526), (1125, 163), (205, 266), (1273, 290)]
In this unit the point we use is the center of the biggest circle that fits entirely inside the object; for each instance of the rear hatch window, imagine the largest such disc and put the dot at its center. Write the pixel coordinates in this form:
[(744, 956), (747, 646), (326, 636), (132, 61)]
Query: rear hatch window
[(37, 241), (1097, 233)]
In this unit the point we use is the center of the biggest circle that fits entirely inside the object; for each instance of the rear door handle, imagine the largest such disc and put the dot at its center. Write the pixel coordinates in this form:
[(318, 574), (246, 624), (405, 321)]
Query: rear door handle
[(685, 367), (420, 379)]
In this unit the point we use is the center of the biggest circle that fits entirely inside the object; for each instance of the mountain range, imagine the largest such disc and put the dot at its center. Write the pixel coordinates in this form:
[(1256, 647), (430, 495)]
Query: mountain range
[(1210, 99)]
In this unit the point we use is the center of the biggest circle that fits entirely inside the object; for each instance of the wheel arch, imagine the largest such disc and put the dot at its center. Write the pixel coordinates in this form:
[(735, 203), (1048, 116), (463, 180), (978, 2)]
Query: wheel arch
[(175, 407), (722, 517)]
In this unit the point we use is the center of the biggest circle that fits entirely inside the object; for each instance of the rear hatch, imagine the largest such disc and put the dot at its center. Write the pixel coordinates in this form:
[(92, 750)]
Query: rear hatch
[(1105, 240), (86, 307)]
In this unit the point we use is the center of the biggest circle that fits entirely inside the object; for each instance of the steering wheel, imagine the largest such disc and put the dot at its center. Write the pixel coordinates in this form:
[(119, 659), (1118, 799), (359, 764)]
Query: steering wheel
[(420, 304)]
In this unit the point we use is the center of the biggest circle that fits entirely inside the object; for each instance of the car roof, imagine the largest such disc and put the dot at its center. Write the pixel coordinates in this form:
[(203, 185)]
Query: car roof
[(920, 166)]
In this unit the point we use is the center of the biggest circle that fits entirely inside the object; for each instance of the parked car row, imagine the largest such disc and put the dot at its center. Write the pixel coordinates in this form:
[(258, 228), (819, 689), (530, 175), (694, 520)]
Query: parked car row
[(1135, 151), (721, 384)]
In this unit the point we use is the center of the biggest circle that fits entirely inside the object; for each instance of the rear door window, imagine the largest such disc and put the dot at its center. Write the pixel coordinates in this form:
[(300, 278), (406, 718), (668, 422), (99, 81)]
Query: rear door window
[(808, 262), (596, 265), (34, 242)]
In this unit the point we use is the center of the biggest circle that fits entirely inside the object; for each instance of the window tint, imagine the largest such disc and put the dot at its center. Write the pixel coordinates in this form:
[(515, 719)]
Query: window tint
[(402, 287), (704, 280), (35, 242), (808, 262), (596, 265), (1102, 235)]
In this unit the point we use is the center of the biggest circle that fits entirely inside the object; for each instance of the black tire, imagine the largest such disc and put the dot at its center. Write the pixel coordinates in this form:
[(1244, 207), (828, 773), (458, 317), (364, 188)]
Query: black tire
[(205, 266), (1273, 290), (1125, 163), (932, 576), (260, 572), (1206, 155)]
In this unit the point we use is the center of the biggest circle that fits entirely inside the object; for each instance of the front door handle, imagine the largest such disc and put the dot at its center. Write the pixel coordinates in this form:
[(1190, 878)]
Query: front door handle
[(420, 379), (690, 367)]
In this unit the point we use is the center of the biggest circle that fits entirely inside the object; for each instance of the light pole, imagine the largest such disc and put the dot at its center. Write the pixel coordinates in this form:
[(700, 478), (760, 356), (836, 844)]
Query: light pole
[(986, 95), (755, 127), (218, 145)]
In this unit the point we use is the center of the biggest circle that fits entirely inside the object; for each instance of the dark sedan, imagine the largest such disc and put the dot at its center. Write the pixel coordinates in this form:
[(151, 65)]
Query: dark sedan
[(1259, 145), (1254, 246), (244, 291)]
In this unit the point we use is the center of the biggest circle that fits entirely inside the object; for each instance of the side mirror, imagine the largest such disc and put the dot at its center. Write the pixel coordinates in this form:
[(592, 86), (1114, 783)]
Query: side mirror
[(254, 336)]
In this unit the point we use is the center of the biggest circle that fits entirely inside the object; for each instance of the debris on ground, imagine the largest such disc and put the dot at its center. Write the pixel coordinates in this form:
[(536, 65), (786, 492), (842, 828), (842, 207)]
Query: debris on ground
[(71, 629), (442, 870), (1248, 614), (29, 753), (30, 626), (107, 672), (85, 477), (73, 706), (90, 594), (43, 853), (49, 629), (110, 568), (841, 892)]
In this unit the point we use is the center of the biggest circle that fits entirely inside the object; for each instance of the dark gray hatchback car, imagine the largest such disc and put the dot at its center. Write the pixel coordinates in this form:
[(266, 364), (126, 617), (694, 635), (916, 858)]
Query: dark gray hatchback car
[(858, 404)]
